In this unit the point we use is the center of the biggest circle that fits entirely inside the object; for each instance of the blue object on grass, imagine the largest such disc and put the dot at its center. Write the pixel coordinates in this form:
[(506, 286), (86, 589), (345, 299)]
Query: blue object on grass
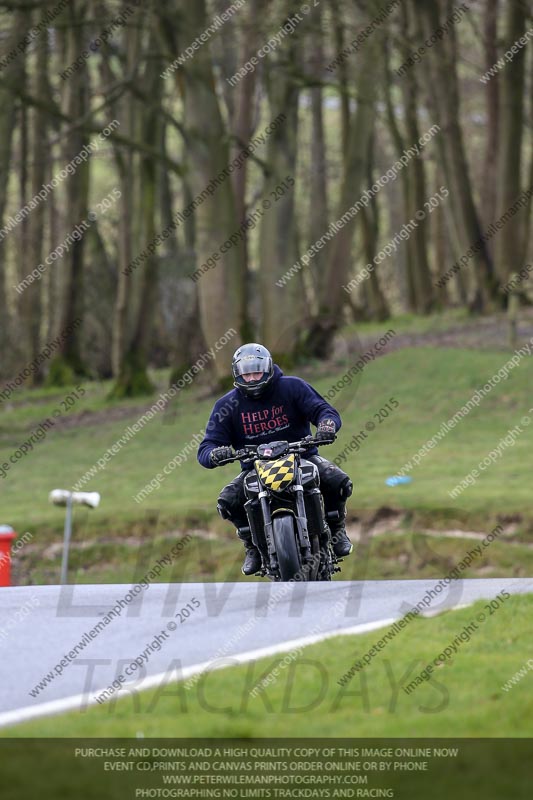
[(397, 479)]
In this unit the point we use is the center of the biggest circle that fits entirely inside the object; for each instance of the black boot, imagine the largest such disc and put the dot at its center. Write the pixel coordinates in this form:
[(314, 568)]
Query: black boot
[(252, 559), (342, 546)]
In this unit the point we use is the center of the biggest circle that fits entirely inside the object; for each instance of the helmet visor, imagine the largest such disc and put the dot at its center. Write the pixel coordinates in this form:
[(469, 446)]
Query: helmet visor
[(252, 363)]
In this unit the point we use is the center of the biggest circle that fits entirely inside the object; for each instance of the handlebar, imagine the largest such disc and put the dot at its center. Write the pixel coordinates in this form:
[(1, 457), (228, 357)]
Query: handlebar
[(301, 446)]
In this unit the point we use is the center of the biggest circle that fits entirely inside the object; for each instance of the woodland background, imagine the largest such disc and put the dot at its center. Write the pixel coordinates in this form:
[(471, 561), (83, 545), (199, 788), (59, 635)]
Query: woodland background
[(347, 118)]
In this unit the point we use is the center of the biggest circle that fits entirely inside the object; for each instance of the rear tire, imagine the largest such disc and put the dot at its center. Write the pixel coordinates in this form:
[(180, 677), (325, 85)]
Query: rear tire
[(286, 546)]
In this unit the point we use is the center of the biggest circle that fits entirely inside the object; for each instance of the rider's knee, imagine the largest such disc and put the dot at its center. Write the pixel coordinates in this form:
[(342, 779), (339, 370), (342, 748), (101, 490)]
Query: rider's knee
[(223, 509), (346, 489), (229, 501), (336, 483)]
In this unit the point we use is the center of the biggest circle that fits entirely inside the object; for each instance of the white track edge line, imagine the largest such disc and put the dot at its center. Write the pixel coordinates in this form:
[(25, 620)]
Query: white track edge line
[(70, 703), (81, 701)]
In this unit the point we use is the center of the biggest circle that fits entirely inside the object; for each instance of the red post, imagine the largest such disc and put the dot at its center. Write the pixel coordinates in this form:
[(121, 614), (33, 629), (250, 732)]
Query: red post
[(7, 535)]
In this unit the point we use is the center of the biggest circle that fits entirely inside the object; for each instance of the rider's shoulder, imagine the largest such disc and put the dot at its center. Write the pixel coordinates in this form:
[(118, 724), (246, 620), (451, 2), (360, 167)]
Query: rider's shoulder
[(230, 399), (293, 382)]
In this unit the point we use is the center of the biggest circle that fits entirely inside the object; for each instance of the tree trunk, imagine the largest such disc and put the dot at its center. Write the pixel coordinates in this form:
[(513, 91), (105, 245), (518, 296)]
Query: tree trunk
[(31, 299), (130, 239), (13, 75), (376, 304), (283, 316), (216, 217), (442, 252), (510, 240), (417, 196), (243, 125), (342, 76), (492, 94), (529, 205), (69, 364), (100, 293), (400, 146), (439, 72), (318, 195), (340, 255), (132, 379), (125, 287)]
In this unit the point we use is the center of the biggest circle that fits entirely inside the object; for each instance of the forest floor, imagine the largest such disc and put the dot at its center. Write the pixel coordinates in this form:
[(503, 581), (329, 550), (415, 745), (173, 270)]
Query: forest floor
[(457, 329), (453, 330)]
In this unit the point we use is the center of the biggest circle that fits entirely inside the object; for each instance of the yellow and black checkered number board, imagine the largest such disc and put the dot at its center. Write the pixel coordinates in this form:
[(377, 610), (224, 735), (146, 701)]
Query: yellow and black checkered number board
[(277, 475)]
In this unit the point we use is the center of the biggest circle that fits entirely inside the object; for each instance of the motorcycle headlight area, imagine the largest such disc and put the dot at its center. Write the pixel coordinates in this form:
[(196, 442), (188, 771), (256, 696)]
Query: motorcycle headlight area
[(277, 475)]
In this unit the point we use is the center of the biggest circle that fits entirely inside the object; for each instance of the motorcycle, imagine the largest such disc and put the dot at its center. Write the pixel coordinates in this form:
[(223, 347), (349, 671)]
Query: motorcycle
[(285, 511)]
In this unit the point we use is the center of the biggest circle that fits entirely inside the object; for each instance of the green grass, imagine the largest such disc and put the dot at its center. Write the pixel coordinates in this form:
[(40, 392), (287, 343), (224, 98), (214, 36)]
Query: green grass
[(430, 385), (120, 540), (127, 561), (464, 697), (415, 323), (407, 554)]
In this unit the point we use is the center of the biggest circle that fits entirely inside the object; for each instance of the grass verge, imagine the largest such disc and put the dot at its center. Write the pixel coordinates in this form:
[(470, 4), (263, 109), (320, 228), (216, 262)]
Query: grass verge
[(402, 555), (462, 698), (429, 385)]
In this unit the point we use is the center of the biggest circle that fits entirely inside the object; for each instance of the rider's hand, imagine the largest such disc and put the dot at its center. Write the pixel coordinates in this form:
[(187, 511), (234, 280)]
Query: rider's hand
[(326, 431), (220, 454)]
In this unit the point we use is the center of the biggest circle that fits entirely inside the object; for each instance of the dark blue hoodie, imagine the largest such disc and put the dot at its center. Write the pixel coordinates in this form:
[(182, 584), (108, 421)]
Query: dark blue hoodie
[(284, 411)]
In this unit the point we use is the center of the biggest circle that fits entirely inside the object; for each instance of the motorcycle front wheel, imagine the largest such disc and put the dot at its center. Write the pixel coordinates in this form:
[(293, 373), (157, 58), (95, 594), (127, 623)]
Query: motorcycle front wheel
[(284, 536)]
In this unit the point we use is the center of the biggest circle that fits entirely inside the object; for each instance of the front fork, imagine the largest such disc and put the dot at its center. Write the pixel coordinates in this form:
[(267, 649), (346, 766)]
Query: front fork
[(301, 527), (267, 523), (301, 522), (302, 530)]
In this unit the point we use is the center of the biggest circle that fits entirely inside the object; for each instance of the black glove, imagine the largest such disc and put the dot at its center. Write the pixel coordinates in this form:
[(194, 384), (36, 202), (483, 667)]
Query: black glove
[(326, 431), (220, 454)]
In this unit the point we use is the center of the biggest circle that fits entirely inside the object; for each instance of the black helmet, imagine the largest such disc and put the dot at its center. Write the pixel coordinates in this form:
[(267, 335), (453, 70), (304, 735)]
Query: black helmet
[(252, 357)]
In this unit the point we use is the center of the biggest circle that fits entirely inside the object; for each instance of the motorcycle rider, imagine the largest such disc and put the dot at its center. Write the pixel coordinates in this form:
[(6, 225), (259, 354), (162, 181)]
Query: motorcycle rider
[(267, 406)]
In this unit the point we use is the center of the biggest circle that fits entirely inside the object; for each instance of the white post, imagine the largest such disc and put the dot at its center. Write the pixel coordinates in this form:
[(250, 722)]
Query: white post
[(66, 539), (62, 497)]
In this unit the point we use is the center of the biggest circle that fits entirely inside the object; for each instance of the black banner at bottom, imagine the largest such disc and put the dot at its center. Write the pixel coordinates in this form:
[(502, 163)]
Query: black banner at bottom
[(128, 769)]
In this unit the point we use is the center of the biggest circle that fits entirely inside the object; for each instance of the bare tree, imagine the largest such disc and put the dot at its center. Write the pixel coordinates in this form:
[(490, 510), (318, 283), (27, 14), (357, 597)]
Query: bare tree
[(510, 251), (13, 78), (69, 364), (439, 72), (354, 178)]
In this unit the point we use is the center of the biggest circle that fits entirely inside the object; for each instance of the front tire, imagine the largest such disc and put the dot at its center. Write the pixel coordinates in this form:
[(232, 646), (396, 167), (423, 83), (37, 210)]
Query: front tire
[(284, 536)]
